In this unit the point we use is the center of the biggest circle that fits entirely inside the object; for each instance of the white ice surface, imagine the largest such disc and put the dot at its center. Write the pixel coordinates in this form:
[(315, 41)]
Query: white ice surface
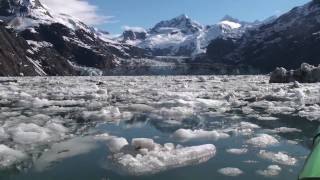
[(280, 157), (238, 151), (272, 170), (145, 160), (230, 171), (188, 134), (263, 140), (9, 156)]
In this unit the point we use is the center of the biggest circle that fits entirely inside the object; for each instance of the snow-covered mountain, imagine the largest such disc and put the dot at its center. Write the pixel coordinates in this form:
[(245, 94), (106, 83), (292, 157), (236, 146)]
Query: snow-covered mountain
[(181, 36), (58, 42), (287, 41)]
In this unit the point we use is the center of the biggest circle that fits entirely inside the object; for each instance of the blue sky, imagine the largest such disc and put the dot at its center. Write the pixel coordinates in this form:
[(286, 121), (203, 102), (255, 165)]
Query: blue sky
[(146, 13)]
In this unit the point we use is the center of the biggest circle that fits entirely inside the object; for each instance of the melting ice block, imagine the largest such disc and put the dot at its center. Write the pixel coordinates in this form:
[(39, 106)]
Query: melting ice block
[(279, 157), (229, 171), (188, 134), (263, 140), (9, 157), (161, 158), (272, 170)]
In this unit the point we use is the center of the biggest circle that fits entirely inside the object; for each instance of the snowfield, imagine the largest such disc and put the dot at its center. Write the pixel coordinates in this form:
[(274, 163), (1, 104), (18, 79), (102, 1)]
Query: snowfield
[(43, 119)]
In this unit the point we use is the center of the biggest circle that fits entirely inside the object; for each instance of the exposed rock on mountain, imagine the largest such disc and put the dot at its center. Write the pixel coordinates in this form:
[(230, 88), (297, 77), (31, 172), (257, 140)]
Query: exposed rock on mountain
[(13, 60), (61, 44), (287, 41)]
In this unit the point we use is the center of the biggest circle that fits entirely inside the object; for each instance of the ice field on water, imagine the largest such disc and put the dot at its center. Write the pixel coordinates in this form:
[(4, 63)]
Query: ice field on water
[(184, 127)]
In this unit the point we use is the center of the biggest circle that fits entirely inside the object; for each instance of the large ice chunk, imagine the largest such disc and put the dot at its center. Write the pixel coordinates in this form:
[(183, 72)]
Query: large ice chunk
[(263, 140), (143, 162), (188, 134), (32, 133)]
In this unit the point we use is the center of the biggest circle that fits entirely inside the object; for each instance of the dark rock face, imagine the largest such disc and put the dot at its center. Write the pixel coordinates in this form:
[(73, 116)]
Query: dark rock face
[(305, 74), (80, 46), (5, 8), (287, 42), (133, 35), (13, 60)]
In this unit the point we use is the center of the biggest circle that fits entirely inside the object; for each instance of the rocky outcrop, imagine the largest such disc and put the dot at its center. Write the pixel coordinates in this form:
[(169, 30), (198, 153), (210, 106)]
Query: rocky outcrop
[(287, 41), (305, 74), (13, 56), (134, 35)]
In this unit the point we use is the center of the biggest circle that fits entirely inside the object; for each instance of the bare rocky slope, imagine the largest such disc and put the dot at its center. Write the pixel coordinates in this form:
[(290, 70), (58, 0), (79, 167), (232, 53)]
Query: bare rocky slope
[(56, 44), (287, 41)]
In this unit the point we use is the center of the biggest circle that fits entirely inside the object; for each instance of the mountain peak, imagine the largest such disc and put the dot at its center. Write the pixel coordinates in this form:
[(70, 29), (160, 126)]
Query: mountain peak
[(182, 22), (182, 17), (230, 18)]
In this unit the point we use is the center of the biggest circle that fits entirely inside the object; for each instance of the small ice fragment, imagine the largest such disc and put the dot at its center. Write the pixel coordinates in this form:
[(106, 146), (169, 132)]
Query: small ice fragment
[(237, 151), (272, 170), (248, 125), (188, 134), (286, 130), (229, 171), (263, 140), (267, 118), (279, 157)]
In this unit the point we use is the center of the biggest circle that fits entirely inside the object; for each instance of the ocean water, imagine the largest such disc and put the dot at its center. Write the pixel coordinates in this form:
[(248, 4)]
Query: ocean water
[(56, 124)]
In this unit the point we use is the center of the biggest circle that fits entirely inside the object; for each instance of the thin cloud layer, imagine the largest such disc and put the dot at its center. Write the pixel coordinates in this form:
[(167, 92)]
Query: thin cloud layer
[(80, 9), (135, 28)]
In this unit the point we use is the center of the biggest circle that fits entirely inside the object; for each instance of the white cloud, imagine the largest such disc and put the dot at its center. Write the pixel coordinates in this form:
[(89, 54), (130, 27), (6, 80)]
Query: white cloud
[(135, 29), (80, 9)]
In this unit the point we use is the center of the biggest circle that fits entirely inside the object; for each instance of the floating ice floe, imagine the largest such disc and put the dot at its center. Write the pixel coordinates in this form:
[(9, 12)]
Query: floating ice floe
[(34, 134), (244, 128), (279, 157), (272, 170), (237, 151), (145, 157), (106, 114), (188, 134), (10, 157), (286, 130), (263, 140), (229, 171), (267, 118)]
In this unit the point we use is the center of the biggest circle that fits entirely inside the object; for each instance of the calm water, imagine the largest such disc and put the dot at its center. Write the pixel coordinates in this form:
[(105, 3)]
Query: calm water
[(95, 165)]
